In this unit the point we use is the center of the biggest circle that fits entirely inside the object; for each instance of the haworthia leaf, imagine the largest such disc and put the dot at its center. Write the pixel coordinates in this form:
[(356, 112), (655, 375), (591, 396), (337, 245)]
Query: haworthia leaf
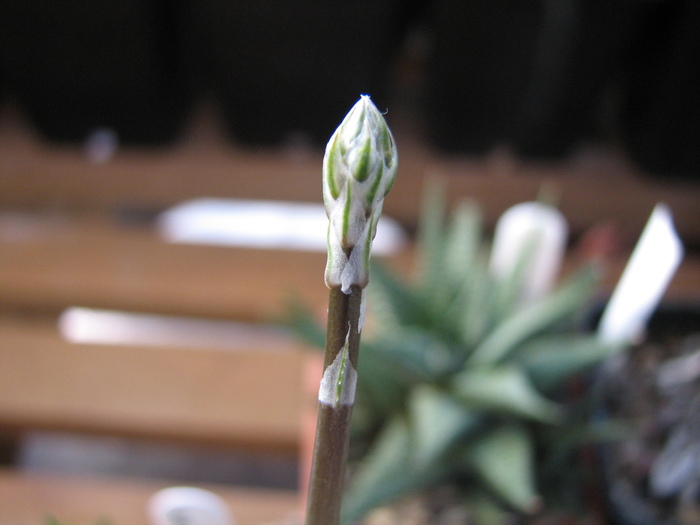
[(386, 473), (411, 353), (506, 389), (431, 241), (548, 360), (535, 318), (437, 421), (394, 302), (504, 459), (462, 242)]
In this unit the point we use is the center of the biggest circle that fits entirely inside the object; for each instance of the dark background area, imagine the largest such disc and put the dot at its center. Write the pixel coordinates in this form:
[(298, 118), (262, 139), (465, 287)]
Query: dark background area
[(540, 77)]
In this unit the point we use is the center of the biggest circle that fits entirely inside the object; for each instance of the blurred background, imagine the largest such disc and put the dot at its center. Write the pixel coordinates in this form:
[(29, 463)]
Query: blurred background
[(540, 77), (113, 113)]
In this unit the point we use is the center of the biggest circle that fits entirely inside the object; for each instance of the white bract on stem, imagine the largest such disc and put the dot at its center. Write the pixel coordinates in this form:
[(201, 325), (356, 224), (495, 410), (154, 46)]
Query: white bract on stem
[(359, 168)]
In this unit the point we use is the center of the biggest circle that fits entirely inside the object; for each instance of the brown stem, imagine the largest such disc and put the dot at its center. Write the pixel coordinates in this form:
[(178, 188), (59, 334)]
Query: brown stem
[(333, 425)]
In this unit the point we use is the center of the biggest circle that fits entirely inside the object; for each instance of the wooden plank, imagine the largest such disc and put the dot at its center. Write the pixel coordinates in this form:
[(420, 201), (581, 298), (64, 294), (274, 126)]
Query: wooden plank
[(30, 498), (54, 263), (249, 397), (684, 287), (603, 186)]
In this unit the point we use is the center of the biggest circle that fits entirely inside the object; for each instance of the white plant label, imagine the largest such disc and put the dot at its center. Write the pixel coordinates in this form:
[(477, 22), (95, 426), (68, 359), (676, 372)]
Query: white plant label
[(652, 265)]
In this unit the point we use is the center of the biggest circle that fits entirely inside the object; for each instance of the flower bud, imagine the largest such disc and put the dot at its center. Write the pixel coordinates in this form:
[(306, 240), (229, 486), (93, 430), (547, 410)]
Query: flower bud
[(359, 168)]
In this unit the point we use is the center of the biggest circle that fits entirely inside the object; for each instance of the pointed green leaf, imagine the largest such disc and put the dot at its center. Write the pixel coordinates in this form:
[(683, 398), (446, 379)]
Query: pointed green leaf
[(437, 420), (548, 360), (386, 473), (379, 389), (393, 302), (508, 290), (478, 308), (504, 459), (411, 353), (390, 365), (564, 303), (431, 243), (505, 389), (463, 241)]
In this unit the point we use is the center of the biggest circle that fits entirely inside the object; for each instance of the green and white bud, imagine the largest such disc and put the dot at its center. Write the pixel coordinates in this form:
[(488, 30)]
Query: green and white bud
[(359, 168)]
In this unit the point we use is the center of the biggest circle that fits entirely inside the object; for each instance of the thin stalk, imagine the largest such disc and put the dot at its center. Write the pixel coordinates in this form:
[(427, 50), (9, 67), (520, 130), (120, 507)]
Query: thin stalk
[(359, 167), (335, 407)]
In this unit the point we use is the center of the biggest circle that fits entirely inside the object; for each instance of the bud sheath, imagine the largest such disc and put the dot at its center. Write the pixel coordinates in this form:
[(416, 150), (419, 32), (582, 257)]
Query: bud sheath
[(359, 168)]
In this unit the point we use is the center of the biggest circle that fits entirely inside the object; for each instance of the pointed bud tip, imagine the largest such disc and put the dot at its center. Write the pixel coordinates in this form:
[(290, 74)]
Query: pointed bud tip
[(359, 168)]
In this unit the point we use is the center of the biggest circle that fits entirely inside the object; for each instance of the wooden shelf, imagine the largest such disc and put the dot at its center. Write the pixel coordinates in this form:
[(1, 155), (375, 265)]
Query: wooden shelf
[(48, 264), (197, 395), (68, 238), (598, 186), (53, 263), (30, 498)]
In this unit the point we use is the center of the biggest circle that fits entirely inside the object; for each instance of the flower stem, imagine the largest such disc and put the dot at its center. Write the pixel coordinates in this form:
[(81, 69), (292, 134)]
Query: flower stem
[(359, 167), (336, 398)]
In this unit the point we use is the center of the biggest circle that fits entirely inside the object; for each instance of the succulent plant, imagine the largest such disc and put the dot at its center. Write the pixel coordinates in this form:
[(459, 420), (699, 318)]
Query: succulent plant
[(461, 382)]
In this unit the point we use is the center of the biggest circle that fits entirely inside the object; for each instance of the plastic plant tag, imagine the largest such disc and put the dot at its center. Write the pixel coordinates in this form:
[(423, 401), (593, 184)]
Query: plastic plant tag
[(643, 282), (188, 505), (532, 227), (263, 224)]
